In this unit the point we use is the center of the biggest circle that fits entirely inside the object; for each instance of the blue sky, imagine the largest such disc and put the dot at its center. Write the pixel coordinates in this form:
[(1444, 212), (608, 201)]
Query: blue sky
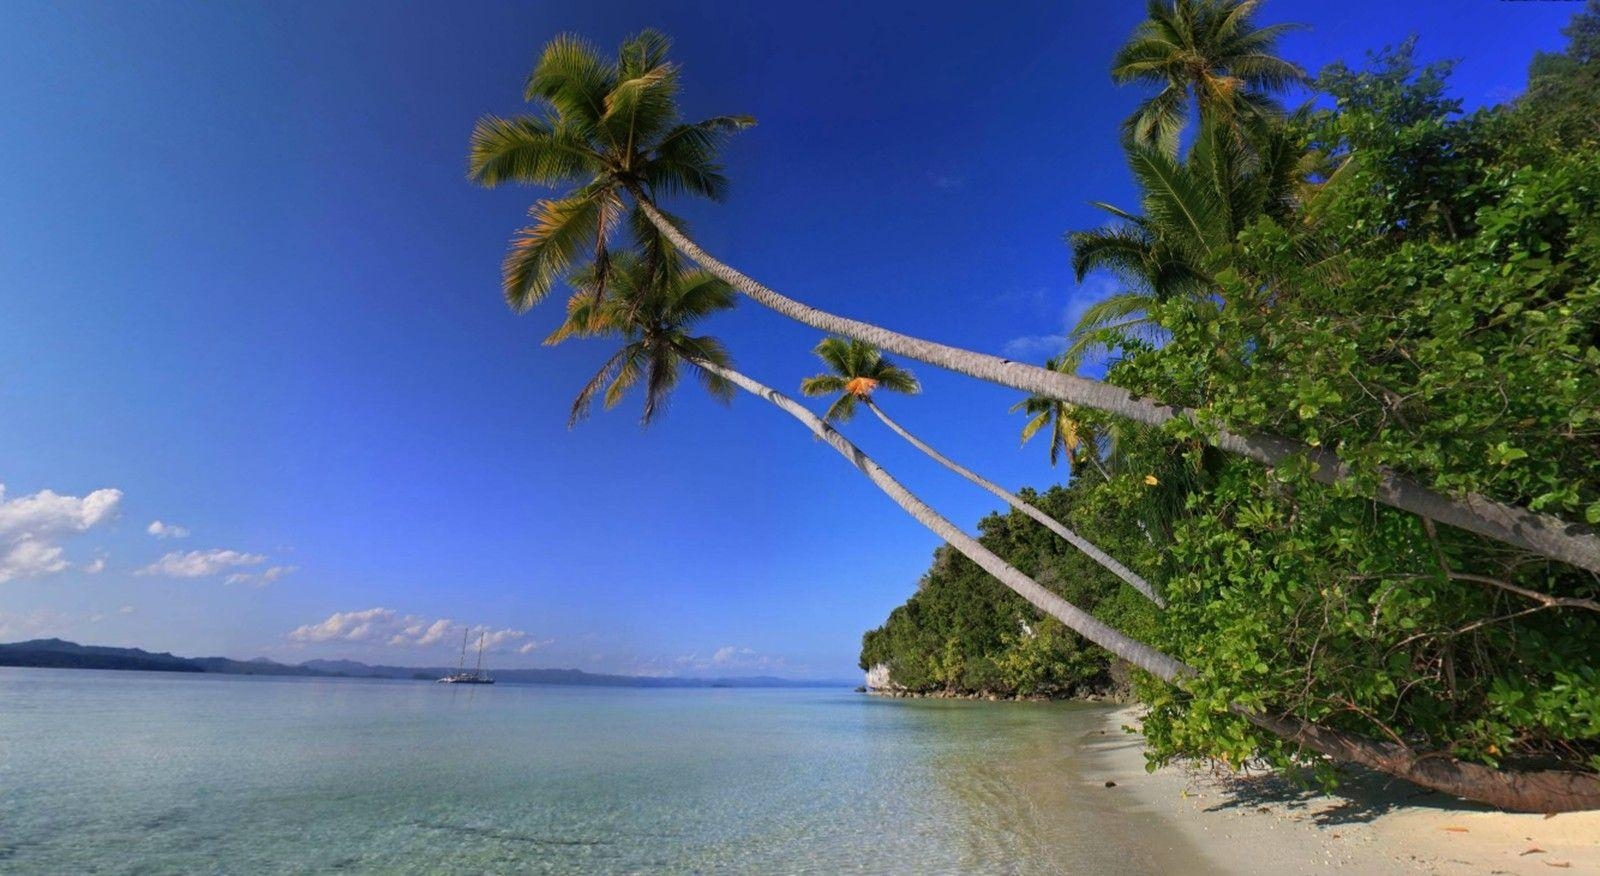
[(245, 285)]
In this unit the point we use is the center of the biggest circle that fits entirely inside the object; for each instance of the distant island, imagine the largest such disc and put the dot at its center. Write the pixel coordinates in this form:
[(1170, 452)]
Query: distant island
[(61, 654)]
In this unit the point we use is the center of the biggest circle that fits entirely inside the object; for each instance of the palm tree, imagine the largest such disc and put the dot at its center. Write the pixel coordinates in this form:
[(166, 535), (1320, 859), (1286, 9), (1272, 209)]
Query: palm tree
[(1192, 211), (613, 125), (1205, 51), (609, 125), (1526, 791), (857, 368), (653, 313), (1067, 433)]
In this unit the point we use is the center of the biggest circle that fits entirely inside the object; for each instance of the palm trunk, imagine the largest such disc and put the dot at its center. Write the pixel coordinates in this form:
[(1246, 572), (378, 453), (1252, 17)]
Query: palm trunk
[(1131, 650), (1105, 560), (1099, 466), (1542, 534), (1536, 791)]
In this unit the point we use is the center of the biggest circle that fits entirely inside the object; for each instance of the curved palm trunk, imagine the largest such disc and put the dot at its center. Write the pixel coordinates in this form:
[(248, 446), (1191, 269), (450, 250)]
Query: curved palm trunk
[(1085, 624), (1536, 791), (1104, 559), (1540, 533)]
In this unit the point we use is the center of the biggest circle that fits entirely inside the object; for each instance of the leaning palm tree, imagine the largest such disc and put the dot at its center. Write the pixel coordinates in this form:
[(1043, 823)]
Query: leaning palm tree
[(610, 126), (1067, 432), (653, 313), (1207, 52), (857, 369)]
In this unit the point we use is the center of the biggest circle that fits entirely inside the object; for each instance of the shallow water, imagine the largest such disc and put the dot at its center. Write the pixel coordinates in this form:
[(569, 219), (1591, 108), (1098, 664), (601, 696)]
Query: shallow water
[(124, 772)]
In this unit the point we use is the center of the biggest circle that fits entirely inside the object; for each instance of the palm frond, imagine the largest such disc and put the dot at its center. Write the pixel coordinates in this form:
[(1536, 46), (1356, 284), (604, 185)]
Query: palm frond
[(641, 108), (1033, 426), (897, 379), (641, 52), (1173, 199), (542, 252), (836, 353), (1158, 121), (1110, 309), (661, 377), (1266, 72), (699, 294), (573, 78), (585, 400), (1124, 251), (823, 384), (526, 150), (843, 409), (628, 372), (684, 161)]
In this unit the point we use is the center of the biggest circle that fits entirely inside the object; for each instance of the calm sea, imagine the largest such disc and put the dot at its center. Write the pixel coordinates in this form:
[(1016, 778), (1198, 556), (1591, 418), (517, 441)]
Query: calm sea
[(128, 772)]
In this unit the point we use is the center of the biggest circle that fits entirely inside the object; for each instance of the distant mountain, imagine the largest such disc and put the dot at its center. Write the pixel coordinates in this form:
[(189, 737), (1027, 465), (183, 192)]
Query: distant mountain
[(61, 654)]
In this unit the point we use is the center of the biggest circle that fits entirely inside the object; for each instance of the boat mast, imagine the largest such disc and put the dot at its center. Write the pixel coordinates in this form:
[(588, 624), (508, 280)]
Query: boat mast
[(461, 666), (479, 670)]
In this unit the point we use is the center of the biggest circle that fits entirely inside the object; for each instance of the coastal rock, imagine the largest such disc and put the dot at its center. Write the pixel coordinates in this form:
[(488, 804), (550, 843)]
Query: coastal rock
[(878, 680)]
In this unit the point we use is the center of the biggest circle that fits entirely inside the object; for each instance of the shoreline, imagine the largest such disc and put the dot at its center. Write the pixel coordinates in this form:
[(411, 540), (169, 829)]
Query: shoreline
[(1262, 823), (1108, 698)]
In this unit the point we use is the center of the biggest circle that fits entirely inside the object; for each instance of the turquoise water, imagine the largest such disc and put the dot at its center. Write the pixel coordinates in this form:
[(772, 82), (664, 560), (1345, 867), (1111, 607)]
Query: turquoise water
[(123, 772)]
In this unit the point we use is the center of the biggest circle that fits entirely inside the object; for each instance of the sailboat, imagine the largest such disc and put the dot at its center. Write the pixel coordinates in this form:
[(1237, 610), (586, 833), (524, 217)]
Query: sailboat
[(461, 675)]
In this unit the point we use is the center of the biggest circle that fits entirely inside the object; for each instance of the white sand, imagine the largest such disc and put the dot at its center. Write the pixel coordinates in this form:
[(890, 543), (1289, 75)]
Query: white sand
[(1263, 824)]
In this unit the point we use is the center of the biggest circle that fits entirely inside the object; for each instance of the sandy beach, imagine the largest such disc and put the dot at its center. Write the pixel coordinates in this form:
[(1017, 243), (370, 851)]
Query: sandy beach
[(1264, 824)]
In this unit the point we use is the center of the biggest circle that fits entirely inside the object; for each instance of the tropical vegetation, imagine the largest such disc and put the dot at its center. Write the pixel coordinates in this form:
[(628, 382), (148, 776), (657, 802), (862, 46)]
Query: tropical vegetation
[(1393, 306)]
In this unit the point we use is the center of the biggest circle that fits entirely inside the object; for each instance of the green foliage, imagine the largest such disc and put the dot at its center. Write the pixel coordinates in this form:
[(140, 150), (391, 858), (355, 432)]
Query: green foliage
[(651, 309), (606, 125), (1207, 51), (1453, 335), (1418, 291), (1561, 109), (855, 370), (1069, 430), (965, 632)]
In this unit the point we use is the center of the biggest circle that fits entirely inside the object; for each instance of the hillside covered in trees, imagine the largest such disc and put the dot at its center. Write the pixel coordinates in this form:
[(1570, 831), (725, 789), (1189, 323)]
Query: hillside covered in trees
[(963, 633)]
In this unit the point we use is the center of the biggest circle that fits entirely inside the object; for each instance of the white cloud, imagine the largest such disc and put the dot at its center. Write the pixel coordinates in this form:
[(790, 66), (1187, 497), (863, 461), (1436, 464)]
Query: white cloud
[(388, 627), (350, 626), (726, 660), (421, 633), (200, 564), (31, 558), (728, 653), (166, 530), (127, 609), (259, 579), (95, 566), (30, 526), (47, 513), (1036, 348)]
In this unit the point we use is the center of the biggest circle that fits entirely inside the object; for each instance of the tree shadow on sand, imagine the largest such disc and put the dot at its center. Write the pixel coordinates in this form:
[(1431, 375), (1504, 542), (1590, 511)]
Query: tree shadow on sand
[(1362, 796)]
